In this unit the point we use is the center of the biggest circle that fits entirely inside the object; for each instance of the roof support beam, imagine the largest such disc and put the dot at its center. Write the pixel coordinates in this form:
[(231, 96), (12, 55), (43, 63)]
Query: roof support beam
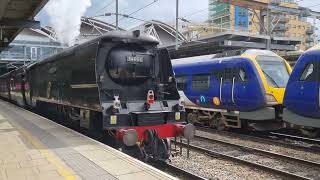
[(10, 23)]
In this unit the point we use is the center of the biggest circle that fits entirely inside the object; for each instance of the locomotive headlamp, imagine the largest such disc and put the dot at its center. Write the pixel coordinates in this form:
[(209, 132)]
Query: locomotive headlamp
[(116, 102), (271, 100), (182, 101), (150, 97), (189, 131), (130, 137), (177, 116)]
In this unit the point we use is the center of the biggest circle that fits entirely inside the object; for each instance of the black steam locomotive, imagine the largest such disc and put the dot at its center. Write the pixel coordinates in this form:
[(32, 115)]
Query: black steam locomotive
[(119, 84)]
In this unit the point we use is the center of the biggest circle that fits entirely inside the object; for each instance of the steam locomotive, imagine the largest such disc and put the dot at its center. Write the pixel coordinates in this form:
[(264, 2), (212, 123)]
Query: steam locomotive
[(119, 84)]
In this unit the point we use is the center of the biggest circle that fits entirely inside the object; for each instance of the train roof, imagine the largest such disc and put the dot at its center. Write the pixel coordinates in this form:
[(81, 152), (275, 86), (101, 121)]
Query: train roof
[(311, 53), (216, 57), (204, 62), (126, 36), (316, 47)]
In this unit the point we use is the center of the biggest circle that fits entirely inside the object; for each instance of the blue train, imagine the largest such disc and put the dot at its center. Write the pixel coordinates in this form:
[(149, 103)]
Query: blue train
[(302, 97), (244, 91)]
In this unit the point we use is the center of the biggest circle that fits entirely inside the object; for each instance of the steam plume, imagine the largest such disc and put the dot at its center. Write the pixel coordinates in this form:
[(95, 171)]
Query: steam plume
[(65, 17)]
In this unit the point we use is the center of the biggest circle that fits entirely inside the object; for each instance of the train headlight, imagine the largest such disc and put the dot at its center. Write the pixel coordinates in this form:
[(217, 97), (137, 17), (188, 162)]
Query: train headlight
[(113, 119), (189, 131), (182, 101), (177, 116), (130, 137), (150, 97), (116, 102), (271, 100)]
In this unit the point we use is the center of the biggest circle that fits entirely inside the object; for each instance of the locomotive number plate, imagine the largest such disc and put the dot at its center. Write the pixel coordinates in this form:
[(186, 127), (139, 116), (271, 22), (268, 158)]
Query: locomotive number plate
[(134, 59), (113, 119), (178, 116)]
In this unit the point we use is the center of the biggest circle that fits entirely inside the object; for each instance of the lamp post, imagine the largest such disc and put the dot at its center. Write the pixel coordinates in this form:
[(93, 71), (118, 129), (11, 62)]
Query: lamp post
[(117, 14), (177, 23)]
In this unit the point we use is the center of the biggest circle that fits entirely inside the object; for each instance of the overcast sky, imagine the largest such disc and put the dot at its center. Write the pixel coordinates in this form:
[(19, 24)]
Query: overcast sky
[(163, 10)]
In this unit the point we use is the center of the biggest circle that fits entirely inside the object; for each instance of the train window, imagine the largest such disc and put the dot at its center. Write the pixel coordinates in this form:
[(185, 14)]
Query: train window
[(242, 75), (181, 82), (228, 75), (274, 70), (200, 82), (309, 73), (217, 74)]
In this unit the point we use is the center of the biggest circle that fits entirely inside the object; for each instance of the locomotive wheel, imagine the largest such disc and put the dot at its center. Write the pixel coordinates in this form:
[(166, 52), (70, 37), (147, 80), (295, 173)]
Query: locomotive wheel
[(191, 118), (213, 123), (220, 124), (154, 146)]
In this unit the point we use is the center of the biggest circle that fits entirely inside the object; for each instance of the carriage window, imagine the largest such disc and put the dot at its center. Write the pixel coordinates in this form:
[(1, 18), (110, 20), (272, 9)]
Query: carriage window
[(181, 82), (228, 75), (309, 73), (200, 82), (217, 74), (242, 75)]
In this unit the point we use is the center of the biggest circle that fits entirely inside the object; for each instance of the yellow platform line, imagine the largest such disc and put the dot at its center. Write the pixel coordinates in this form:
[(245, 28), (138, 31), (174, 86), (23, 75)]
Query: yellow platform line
[(56, 162)]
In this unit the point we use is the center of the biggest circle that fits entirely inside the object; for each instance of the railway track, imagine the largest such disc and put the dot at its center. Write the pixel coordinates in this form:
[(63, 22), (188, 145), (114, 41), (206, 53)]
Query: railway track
[(176, 171), (278, 164), (296, 138), (257, 137)]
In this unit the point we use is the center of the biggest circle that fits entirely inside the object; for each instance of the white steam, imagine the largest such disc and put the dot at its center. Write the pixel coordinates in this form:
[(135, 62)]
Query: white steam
[(65, 18)]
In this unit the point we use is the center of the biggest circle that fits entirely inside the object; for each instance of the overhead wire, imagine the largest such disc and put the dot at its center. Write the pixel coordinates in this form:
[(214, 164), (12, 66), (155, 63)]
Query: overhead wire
[(136, 11), (104, 7)]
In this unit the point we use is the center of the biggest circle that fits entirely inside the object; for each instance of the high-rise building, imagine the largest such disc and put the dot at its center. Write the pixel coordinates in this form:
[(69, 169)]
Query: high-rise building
[(228, 16), (236, 18)]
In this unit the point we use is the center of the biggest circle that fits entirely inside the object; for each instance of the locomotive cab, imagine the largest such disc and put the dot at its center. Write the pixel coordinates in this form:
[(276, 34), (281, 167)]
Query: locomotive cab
[(274, 72)]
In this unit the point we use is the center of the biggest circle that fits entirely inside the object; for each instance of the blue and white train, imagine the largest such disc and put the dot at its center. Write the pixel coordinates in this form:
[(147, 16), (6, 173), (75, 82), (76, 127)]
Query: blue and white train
[(244, 91), (302, 97)]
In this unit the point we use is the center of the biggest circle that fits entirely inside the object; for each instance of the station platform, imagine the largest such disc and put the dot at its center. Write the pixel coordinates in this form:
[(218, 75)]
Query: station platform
[(33, 147)]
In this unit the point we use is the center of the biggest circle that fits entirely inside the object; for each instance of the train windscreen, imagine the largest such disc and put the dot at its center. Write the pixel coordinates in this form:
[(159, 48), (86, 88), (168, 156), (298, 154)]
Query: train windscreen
[(275, 70)]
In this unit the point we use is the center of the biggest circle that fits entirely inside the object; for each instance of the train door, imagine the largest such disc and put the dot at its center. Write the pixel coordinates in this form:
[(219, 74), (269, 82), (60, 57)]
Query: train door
[(240, 89), (216, 85), (227, 91), (306, 90)]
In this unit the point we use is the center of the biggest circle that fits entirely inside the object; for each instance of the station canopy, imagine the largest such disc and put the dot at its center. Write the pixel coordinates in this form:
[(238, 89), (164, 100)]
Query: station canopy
[(16, 15)]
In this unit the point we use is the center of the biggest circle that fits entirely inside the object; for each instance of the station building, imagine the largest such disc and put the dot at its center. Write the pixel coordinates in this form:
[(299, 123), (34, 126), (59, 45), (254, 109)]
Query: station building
[(30, 45)]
